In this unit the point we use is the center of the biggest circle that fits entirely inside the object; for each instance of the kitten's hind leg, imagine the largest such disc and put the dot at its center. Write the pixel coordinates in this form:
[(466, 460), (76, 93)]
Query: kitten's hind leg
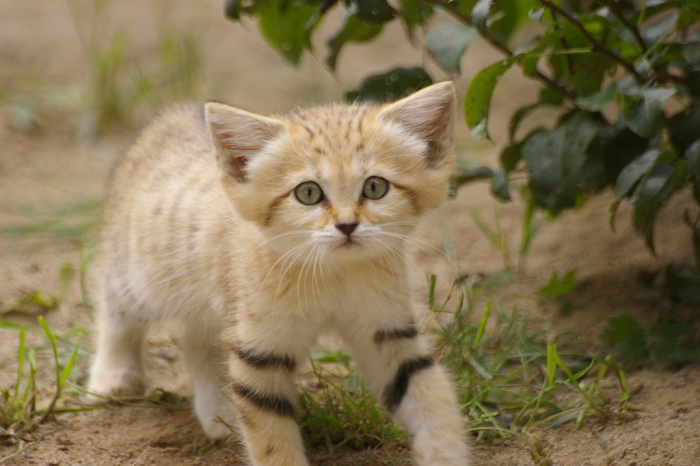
[(204, 363), (117, 370)]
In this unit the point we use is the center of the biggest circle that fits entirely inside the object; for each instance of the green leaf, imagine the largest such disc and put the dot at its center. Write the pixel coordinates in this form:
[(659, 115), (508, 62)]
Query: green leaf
[(626, 337), (668, 342), (499, 185), (233, 9), (632, 173), (650, 196), (480, 14), (599, 100), (446, 43), (352, 29), (692, 159), (553, 160), (684, 127), (641, 107), (684, 287), (559, 287), (374, 11), (550, 97), (285, 28), (584, 72), (614, 149), (391, 85), (478, 98), (519, 116), (695, 228)]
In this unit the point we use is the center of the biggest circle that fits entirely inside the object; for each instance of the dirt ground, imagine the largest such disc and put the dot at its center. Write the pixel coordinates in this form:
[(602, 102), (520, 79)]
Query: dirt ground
[(46, 166)]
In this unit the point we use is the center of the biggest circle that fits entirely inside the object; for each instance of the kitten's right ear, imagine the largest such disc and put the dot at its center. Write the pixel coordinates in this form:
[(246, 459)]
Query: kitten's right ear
[(238, 135)]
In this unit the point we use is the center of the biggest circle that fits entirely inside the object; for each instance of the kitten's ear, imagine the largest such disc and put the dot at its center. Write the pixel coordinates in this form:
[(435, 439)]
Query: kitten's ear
[(238, 135), (428, 114)]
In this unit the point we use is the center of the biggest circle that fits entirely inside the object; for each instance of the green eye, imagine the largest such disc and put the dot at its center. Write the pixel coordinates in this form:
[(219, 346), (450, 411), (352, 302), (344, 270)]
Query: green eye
[(309, 193), (375, 187)]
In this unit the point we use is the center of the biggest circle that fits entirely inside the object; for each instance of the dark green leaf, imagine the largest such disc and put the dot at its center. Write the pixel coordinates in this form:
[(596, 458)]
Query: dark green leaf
[(695, 228), (633, 172), (446, 43), (499, 185), (559, 287), (616, 147), (669, 342), (692, 159), (520, 116), (584, 71), (550, 97), (599, 100), (684, 287), (656, 30), (233, 9), (285, 28), (478, 98), (553, 160), (649, 198), (414, 12), (480, 14), (684, 127), (626, 337), (641, 107), (688, 16), (391, 85), (352, 29), (374, 11), (510, 156)]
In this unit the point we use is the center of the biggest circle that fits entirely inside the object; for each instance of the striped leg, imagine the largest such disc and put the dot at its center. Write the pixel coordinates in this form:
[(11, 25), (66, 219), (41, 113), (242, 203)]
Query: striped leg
[(400, 370), (264, 395)]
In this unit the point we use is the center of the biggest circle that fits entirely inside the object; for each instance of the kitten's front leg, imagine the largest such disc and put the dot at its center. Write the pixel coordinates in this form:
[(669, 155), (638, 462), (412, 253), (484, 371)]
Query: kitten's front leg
[(264, 395), (400, 370)]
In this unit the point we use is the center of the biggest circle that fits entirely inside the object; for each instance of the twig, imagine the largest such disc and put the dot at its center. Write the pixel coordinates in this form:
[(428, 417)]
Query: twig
[(616, 11), (506, 51), (594, 42)]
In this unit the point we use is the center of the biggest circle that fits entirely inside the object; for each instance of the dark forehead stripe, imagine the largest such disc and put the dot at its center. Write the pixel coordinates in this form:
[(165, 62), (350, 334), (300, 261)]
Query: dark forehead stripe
[(275, 404), (397, 388)]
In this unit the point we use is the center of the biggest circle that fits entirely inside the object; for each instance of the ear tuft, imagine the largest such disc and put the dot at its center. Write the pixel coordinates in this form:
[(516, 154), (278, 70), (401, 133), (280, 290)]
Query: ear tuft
[(428, 114), (238, 135)]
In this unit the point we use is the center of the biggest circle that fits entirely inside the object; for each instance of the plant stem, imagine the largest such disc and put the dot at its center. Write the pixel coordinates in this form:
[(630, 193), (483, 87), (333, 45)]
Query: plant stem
[(616, 11), (505, 50), (594, 42)]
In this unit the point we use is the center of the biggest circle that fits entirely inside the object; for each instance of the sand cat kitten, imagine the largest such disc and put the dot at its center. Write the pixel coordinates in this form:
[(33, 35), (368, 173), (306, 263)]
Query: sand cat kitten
[(260, 233)]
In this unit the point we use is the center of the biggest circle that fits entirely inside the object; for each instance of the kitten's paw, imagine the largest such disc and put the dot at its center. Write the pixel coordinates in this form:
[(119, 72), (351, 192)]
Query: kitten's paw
[(117, 384), (218, 429)]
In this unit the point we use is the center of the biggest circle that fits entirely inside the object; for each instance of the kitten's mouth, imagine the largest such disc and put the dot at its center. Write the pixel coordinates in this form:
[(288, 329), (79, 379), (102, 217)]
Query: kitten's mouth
[(349, 244)]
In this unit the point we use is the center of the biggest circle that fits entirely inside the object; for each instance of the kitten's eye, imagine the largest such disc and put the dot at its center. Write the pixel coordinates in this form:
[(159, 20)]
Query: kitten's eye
[(375, 187), (309, 193)]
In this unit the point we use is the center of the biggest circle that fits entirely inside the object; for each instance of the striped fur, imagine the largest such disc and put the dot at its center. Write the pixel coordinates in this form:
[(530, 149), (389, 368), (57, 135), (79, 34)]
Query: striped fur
[(203, 226)]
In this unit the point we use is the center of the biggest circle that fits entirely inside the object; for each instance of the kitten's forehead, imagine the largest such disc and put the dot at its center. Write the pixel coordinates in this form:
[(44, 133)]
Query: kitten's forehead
[(332, 131)]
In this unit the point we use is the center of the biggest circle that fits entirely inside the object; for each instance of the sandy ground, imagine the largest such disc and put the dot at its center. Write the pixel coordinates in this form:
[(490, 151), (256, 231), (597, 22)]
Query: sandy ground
[(41, 59)]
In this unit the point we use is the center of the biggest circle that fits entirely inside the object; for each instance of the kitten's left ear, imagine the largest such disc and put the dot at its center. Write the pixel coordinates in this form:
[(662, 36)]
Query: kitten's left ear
[(428, 114), (238, 135)]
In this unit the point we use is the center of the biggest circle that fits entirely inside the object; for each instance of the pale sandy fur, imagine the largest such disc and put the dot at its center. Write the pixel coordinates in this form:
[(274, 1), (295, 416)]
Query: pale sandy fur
[(203, 227)]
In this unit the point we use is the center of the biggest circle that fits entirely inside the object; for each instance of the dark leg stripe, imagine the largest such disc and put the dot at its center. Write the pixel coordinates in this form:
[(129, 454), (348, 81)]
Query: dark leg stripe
[(265, 361), (276, 404), (396, 390), (395, 334)]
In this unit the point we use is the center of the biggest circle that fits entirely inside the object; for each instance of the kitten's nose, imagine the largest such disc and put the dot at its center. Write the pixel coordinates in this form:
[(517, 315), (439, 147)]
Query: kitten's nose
[(346, 228)]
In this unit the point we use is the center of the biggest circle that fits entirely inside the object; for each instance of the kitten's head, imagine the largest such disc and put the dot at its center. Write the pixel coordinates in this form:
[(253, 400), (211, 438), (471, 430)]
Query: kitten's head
[(346, 181)]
